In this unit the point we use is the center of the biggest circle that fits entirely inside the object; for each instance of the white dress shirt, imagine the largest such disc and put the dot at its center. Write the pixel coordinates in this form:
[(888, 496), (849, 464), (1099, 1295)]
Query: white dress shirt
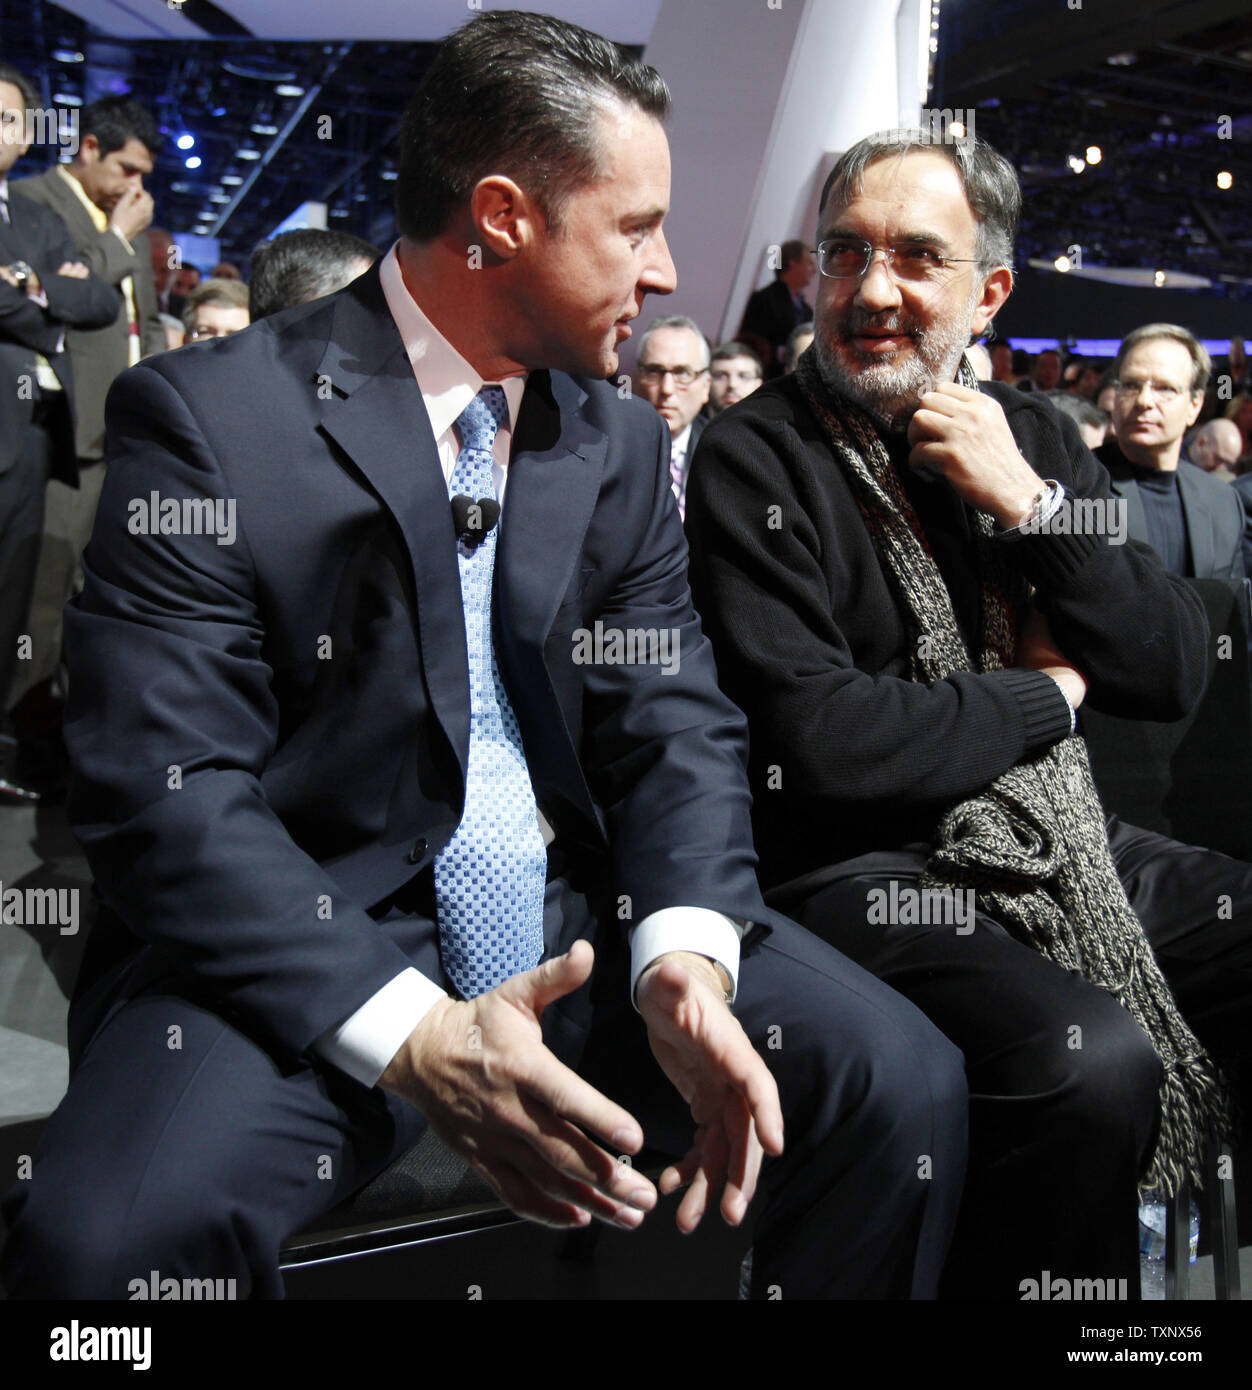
[(368, 1039)]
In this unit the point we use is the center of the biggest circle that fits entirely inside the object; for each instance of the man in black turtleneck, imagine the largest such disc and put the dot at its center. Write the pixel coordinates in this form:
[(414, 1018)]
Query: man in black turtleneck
[(1195, 523), (855, 757)]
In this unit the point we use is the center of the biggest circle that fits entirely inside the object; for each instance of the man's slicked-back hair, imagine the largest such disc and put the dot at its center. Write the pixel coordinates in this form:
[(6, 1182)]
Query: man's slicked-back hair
[(1201, 362), (18, 79), (990, 182), (517, 94), (674, 321), (302, 265), (114, 120)]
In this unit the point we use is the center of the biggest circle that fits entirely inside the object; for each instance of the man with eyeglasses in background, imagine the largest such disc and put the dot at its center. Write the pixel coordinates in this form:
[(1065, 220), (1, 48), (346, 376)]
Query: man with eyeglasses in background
[(1194, 522), (672, 374), (908, 603), (735, 371)]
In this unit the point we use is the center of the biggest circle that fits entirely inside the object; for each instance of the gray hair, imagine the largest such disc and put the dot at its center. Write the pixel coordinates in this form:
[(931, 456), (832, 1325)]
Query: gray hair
[(989, 180), (1201, 362), (675, 321)]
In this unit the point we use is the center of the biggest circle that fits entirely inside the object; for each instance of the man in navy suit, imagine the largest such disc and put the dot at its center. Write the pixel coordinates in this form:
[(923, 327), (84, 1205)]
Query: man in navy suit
[(276, 698)]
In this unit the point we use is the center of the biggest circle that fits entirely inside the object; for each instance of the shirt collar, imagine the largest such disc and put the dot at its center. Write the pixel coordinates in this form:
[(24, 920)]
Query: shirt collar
[(678, 445), (98, 216), (447, 381)]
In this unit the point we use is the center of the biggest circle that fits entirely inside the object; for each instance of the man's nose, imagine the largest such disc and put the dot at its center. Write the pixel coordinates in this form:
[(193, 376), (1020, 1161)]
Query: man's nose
[(878, 289), (659, 275)]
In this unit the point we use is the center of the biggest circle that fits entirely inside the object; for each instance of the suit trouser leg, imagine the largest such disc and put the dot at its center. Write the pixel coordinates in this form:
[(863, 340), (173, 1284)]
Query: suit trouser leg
[(862, 1202), (21, 522), (1063, 1089), (69, 514), (189, 1152)]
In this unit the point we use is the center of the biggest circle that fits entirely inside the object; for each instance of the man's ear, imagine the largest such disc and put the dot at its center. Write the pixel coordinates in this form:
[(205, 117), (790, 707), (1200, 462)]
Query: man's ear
[(996, 289), (503, 216), (1197, 404), (89, 149)]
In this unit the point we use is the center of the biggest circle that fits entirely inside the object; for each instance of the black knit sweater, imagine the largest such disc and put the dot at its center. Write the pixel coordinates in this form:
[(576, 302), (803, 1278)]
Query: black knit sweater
[(848, 754)]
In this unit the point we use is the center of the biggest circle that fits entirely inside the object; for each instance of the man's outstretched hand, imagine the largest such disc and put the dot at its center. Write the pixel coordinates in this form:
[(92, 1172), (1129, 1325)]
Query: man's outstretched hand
[(704, 1051), (480, 1073)]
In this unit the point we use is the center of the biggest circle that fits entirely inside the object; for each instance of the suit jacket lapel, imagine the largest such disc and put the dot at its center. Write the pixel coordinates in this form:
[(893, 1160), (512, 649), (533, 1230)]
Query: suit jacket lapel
[(1136, 520), (553, 482), (1199, 521), (378, 419)]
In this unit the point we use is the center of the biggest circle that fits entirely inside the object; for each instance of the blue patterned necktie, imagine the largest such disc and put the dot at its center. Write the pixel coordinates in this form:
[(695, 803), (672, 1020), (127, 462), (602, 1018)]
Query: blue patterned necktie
[(489, 879)]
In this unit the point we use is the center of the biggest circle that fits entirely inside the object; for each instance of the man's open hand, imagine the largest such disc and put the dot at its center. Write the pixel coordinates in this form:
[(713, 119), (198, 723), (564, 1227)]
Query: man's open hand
[(734, 1100), (480, 1073), (963, 434)]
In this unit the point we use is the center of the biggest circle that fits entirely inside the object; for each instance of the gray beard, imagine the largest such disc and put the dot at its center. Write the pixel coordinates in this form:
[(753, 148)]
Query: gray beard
[(890, 391)]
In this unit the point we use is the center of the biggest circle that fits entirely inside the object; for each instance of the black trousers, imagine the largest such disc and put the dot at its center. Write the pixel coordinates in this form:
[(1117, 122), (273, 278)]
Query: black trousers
[(1063, 1083), (198, 1161), (22, 489)]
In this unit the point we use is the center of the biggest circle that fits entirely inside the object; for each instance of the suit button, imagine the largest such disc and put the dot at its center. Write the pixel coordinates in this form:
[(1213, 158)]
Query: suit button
[(418, 852)]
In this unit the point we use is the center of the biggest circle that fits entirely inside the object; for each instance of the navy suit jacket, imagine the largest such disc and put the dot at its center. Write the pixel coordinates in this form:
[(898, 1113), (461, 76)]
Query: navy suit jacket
[(269, 736)]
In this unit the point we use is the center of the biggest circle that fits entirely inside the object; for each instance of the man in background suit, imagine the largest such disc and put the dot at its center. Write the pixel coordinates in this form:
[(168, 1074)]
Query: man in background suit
[(672, 374), (1195, 523), (100, 198), (357, 846), (44, 290), (776, 310)]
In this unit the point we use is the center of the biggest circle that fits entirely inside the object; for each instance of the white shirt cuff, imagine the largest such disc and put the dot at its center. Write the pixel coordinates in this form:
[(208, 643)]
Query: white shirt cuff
[(366, 1041), (123, 238), (697, 929)]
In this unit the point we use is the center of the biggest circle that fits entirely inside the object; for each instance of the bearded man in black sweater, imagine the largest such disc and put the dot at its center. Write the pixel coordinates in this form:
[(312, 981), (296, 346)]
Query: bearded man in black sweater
[(912, 582)]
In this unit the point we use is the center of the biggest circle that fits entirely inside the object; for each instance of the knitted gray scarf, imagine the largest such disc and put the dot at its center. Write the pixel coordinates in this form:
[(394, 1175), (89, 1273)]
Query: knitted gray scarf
[(1033, 845)]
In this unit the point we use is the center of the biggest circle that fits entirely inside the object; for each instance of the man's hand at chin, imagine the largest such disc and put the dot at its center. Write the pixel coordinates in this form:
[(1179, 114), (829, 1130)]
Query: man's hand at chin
[(734, 1101)]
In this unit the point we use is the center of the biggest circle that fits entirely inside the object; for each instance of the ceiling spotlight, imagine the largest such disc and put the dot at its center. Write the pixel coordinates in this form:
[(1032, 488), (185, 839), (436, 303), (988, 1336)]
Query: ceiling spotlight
[(247, 154), (1094, 154), (231, 180), (185, 142), (194, 162), (1063, 264), (1122, 60), (66, 99), (1225, 179), (264, 128), (1158, 278), (1076, 165), (388, 174), (288, 89), (957, 130), (67, 55), (219, 197)]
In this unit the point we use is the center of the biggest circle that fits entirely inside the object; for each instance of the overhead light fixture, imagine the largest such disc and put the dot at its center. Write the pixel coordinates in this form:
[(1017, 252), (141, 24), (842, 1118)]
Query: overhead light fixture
[(1076, 165), (67, 55), (194, 162), (1158, 278), (247, 154), (288, 89), (231, 180), (1225, 179), (957, 130), (1122, 60), (263, 128), (388, 174), (1063, 264), (66, 99), (1094, 154), (219, 197), (185, 141)]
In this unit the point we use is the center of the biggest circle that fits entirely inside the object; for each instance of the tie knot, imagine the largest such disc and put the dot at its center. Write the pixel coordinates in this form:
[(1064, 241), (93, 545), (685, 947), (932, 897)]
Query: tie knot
[(478, 422)]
